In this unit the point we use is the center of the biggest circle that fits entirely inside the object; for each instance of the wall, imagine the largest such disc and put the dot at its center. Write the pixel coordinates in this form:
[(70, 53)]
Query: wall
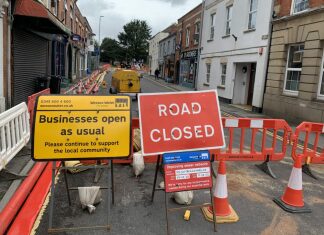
[(154, 50)]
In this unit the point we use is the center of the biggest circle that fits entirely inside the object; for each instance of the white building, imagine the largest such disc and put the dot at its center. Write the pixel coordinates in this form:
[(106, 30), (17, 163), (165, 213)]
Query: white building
[(154, 51), (234, 50)]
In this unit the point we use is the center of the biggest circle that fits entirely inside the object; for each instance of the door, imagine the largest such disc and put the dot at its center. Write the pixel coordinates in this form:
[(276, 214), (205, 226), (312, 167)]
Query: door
[(251, 84)]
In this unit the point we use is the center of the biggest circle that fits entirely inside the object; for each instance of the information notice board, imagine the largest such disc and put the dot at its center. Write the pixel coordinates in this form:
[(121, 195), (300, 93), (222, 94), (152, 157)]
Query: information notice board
[(81, 127), (187, 171)]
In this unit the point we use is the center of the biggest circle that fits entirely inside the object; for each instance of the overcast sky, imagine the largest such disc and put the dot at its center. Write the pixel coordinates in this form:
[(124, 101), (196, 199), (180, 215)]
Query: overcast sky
[(159, 14)]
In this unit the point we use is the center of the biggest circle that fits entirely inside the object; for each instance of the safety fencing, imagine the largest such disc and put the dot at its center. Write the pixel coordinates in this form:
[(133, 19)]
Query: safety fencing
[(31, 103), (309, 135), (14, 132)]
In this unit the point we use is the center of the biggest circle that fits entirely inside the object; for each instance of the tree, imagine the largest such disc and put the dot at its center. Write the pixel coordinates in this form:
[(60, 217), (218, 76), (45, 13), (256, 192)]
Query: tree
[(134, 40), (111, 50)]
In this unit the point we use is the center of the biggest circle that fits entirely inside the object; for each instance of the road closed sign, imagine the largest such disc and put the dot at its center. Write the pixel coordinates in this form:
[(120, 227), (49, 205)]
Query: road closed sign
[(173, 122), (81, 127)]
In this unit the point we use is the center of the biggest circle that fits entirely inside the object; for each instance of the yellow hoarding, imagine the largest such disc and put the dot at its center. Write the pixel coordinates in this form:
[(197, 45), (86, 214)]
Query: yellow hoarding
[(81, 127)]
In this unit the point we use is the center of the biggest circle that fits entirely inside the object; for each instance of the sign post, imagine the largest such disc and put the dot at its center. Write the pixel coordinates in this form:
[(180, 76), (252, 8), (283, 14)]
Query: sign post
[(177, 123), (79, 128)]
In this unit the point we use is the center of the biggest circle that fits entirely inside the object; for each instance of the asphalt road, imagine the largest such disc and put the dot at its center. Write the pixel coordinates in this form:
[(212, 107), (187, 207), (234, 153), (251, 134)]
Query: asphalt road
[(250, 194)]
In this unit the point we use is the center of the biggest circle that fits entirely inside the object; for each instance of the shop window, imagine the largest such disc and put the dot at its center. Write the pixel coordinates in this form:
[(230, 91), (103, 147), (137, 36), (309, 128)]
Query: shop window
[(299, 5), (321, 84), (253, 14), (229, 11), (208, 67), (294, 68), (187, 37), (223, 75), (212, 26)]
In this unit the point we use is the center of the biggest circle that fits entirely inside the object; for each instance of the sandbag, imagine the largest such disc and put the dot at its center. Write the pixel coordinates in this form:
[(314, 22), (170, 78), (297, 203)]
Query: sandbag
[(183, 198), (89, 196), (137, 140), (138, 163)]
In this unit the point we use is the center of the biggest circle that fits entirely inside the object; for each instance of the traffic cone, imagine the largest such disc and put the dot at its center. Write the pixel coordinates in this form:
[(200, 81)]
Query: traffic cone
[(223, 210), (292, 200)]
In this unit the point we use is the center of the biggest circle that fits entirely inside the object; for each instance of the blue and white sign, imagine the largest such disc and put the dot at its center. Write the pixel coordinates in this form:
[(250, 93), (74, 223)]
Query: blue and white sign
[(196, 156)]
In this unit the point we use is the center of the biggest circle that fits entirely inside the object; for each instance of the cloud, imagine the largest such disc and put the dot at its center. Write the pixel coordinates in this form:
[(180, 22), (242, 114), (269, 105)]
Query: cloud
[(174, 2), (95, 7)]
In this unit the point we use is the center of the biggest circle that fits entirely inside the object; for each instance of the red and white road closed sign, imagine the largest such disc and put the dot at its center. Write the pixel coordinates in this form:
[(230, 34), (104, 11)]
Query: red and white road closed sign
[(183, 121)]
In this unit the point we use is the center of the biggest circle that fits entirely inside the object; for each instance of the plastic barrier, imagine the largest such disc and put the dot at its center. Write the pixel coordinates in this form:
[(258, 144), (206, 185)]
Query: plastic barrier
[(251, 147), (32, 101), (15, 132), (309, 134)]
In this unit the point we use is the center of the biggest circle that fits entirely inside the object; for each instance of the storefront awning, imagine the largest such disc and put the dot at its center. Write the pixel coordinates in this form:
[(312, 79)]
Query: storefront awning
[(34, 15)]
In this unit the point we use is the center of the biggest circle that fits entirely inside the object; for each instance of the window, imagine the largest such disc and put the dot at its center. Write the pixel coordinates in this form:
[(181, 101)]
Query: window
[(207, 73), (253, 14), (212, 26), (229, 11), (54, 5), (223, 75), (321, 84), (197, 30), (168, 50), (294, 67), (299, 5), (187, 37)]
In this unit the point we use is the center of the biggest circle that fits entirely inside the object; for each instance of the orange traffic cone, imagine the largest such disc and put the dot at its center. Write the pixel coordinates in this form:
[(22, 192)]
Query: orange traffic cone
[(223, 210), (292, 200)]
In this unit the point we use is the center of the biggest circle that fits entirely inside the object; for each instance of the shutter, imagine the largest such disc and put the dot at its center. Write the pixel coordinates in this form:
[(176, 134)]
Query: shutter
[(30, 60)]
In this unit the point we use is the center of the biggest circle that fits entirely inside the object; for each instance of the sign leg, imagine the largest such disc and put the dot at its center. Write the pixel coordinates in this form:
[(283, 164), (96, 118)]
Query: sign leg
[(112, 182), (155, 176), (50, 224), (167, 212), (108, 198), (66, 184)]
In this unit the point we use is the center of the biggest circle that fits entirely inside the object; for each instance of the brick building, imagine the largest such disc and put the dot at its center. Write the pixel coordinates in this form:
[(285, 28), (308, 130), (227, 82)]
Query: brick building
[(187, 41), (295, 80), (49, 38)]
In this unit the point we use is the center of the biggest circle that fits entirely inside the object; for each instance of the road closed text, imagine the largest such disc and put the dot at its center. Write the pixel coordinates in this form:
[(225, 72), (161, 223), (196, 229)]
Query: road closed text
[(179, 133)]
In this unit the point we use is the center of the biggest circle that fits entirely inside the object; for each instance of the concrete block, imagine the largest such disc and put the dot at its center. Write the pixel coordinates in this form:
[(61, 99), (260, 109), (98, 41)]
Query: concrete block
[(304, 95), (277, 62), (311, 71), (275, 76), (304, 78), (278, 55), (312, 62), (278, 48), (316, 44), (312, 53), (308, 87), (277, 69)]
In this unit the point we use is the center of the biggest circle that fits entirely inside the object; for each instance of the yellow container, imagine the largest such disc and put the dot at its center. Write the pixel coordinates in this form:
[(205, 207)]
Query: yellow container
[(186, 215), (125, 81)]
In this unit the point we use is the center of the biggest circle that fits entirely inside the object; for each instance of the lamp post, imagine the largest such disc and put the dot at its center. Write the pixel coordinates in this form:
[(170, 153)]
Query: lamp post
[(99, 41)]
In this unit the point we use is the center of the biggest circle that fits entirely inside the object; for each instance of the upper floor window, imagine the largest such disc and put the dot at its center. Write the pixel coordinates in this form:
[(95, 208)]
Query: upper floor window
[(208, 73), (229, 11), (168, 51), (212, 26), (196, 35), (253, 14), (299, 5), (223, 75), (294, 68), (321, 84), (180, 37), (187, 37), (54, 5)]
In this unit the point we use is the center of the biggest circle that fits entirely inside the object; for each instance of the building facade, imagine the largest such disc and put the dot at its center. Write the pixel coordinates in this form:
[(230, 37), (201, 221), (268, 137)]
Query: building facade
[(154, 51), (295, 80), (48, 39), (188, 32), (234, 49), (167, 57)]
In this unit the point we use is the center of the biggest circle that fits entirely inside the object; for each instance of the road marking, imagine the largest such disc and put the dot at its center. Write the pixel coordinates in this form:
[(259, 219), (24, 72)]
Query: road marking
[(170, 88)]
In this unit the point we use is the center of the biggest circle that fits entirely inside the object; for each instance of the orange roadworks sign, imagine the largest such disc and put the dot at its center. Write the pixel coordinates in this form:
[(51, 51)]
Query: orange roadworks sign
[(174, 122), (81, 127)]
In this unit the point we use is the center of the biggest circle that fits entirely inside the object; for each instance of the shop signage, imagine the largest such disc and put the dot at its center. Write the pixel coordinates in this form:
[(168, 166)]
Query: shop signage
[(81, 127), (76, 37), (189, 54), (187, 171), (183, 121)]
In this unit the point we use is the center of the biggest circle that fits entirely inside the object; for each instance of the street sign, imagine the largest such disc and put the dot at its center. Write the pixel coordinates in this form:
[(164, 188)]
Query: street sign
[(81, 127), (173, 122), (187, 171)]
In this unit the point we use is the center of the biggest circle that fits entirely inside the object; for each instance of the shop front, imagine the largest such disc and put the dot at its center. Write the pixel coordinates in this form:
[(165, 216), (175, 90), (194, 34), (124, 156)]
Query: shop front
[(188, 67)]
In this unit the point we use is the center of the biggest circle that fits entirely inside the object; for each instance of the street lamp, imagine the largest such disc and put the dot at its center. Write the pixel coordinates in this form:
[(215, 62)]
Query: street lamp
[(99, 41)]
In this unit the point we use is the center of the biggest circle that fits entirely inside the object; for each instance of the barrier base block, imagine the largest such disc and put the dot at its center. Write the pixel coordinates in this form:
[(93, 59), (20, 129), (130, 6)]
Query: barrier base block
[(292, 209), (231, 218)]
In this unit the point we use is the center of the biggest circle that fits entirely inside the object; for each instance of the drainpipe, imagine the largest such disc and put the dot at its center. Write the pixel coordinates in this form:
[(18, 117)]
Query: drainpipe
[(3, 3), (199, 44), (268, 48), (9, 30)]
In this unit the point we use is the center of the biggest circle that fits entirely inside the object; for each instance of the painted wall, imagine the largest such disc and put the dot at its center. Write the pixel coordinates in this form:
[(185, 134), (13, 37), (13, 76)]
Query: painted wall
[(154, 50)]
